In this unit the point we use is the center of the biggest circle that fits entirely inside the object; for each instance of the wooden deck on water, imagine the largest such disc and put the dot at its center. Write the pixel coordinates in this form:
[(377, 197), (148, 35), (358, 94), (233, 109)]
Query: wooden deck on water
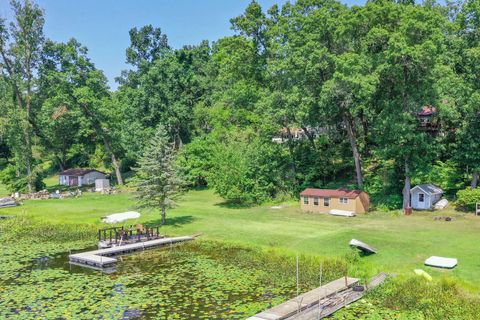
[(320, 302), (101, 259)]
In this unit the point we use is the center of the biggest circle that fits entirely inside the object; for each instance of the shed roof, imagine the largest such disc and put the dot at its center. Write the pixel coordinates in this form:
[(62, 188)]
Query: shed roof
[(429, 189), (331, 193), (77, 172)]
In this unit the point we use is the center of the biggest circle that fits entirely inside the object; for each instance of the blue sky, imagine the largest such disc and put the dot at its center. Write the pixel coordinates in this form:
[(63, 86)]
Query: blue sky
[(103, 25)]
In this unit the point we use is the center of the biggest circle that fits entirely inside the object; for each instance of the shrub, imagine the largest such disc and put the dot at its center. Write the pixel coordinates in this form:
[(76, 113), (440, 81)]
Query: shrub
[(434, 300), (13, 182), (247, 171), (467, 198)]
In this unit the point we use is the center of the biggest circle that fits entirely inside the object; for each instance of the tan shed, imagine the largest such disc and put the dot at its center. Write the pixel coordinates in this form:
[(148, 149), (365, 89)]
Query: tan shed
[(325, 200)]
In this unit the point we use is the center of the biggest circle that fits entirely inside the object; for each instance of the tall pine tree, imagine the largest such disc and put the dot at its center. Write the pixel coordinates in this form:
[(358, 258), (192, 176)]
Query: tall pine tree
[(158, 184)]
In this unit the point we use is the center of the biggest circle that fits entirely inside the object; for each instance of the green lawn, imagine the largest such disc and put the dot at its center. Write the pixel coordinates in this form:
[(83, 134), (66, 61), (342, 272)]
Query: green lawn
[(404, 242)]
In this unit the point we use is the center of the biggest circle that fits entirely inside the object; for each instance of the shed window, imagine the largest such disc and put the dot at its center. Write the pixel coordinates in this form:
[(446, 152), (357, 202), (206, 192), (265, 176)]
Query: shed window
[(315, 201), (305, 200), (421, 197), (326, 202), (344, 200)]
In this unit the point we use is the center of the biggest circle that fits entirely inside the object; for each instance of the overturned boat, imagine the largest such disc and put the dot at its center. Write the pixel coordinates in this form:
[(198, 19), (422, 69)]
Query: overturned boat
[(441, 262), (362, 246)]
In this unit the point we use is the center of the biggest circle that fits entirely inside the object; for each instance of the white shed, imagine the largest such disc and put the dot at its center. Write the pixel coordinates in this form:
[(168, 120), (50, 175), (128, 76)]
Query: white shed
[(79, 177), (424, 196)]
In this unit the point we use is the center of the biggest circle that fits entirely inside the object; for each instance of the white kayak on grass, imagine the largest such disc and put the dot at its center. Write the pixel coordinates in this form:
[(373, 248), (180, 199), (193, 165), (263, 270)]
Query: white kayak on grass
[(120, 217), (343, 213), (362, 246), (441, 262)]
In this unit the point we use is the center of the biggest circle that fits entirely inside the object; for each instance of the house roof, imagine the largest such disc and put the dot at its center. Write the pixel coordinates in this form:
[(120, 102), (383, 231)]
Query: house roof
[(77, 172), (429, 189), (427, 111), (331, 193)]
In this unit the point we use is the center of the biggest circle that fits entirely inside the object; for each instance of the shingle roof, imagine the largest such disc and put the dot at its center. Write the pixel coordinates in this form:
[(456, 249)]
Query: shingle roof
[(77, 172), (428, 188), (331, 193)]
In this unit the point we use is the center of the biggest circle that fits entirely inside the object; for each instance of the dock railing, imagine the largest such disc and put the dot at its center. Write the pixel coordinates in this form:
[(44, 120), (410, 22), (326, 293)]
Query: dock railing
[(131, 234)]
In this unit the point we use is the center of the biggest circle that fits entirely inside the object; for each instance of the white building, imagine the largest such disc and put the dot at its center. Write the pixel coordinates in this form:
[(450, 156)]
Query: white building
[(424, 196), (79, 177)]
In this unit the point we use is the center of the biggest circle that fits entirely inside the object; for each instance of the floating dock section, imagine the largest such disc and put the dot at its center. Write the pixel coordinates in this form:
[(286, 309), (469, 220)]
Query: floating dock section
[(320, 302), (102, 259)]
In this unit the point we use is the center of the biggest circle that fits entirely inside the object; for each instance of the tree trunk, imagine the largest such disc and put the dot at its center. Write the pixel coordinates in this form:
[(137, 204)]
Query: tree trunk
[(292, 157), (406, 187), (364, 121), (353, 143), (115, 162), (310, 136), (61, 163), (474, 180), (98, 128), (28, 149), (164, 215)]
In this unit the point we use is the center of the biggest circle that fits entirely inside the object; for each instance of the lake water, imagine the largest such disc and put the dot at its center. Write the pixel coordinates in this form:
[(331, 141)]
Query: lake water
[(188, 281)]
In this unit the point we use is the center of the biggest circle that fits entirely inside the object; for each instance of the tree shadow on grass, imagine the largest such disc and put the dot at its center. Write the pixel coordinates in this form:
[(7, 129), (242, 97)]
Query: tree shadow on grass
[(175, 222), (234, 205)]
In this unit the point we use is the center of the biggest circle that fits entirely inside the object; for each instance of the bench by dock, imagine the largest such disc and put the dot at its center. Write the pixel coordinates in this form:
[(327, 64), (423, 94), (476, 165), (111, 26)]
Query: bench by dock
[(102, 259)]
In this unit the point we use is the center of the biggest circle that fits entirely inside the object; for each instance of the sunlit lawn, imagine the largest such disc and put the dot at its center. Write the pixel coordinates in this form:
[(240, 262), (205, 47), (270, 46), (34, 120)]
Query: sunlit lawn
[(404, 242)]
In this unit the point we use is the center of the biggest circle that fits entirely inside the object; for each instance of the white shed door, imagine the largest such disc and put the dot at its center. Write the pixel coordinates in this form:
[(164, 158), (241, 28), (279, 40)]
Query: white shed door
[(422, 200)]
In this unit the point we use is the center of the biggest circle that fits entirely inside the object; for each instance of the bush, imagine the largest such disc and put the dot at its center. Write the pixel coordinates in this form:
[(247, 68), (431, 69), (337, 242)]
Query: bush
[(9, 177), (442, 299), (467, 198), (195, 161), (247, 171)]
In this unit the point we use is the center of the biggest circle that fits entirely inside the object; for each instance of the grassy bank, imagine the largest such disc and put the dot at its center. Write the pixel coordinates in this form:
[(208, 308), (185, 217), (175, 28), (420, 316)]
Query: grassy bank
[(245, 257), (403, 242)]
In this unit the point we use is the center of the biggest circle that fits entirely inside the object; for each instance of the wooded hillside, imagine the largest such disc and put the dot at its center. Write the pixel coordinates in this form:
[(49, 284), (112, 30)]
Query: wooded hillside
[(310, 94)]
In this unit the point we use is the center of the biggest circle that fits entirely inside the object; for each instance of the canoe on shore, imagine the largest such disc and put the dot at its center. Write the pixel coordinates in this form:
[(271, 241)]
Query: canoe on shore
[(362, 246)]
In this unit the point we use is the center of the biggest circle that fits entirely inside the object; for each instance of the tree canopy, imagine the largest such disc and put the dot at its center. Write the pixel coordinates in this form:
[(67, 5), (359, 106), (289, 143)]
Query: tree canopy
[(312, 93)]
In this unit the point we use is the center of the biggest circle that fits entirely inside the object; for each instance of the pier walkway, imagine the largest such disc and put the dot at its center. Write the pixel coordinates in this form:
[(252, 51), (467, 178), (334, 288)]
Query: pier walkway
[(304, 301), (102, 259)]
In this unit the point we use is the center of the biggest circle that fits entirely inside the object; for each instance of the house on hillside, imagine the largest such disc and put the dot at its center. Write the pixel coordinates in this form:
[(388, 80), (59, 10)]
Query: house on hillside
[(428, 120), (424, 196), (79, 177), (326, 200)]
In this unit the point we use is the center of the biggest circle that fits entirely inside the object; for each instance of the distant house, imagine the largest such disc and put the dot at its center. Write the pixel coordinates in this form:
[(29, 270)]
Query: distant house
[(424, 196), (326, 200), (297, 134), (427, 117), (79, 177)]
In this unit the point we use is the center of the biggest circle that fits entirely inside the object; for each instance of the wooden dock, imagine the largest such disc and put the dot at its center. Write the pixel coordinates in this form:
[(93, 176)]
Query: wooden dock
[(327, 306), (102, 259), (306, 300), (320, 302)]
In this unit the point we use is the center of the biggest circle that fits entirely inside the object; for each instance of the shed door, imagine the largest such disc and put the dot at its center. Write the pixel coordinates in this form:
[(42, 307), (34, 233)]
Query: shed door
[(73, 181), (422, 200)]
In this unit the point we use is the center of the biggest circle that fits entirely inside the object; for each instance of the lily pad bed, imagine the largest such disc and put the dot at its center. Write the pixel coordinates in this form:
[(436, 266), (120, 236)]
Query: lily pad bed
[(202, 280)]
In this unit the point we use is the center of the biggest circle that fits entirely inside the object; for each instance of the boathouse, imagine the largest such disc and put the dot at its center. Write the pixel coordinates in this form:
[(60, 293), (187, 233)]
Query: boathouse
[(331, 200)]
